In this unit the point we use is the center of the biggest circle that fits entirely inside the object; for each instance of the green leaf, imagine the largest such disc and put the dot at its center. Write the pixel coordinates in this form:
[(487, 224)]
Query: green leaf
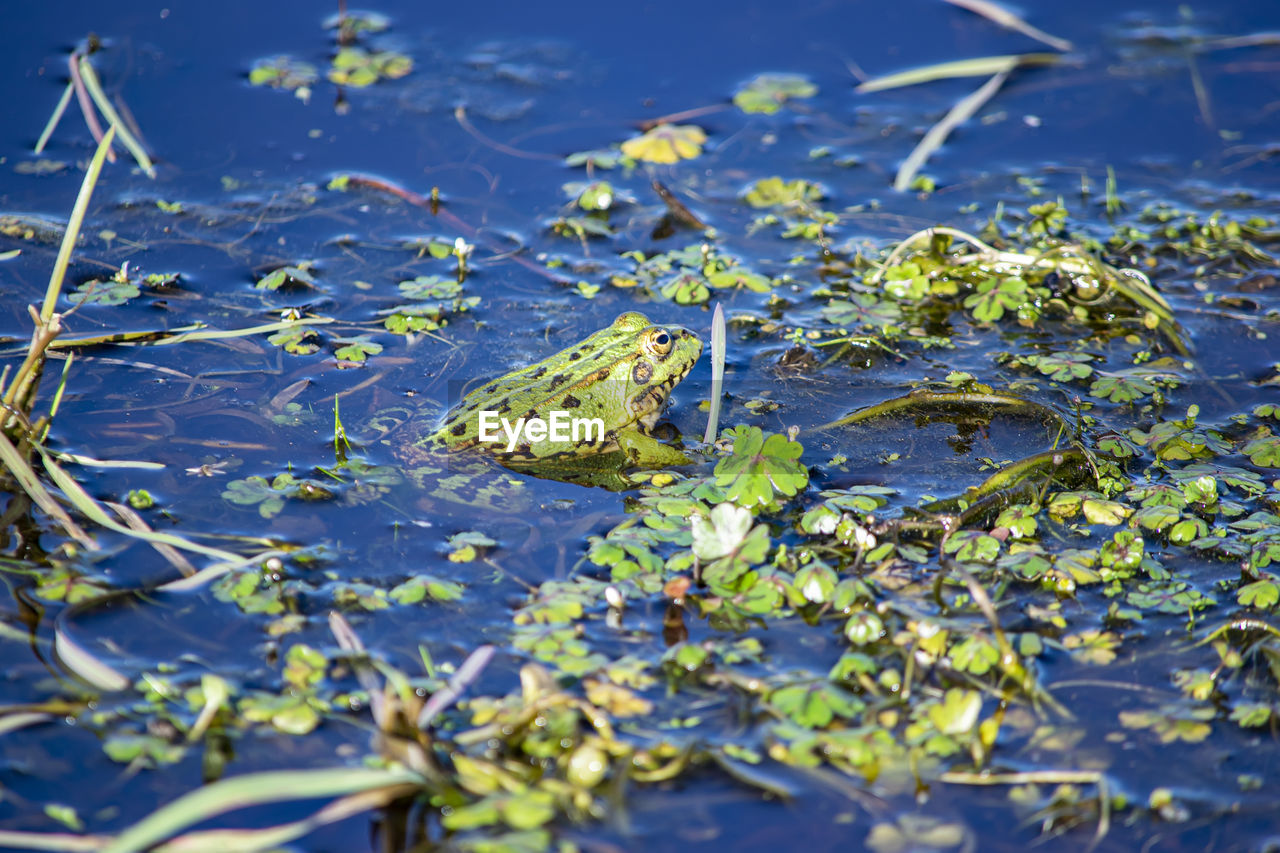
[(1263, 450), (356, 349), (1124, 552), (863, 628), (995, 296), (285, 72), (775, 192), (357, 67), (597, 195), (957, 714), (1021, 521), (1093, 646), (292, 276), (426, 287), (976, 655), (687, 289), (724, 532), (1109, 513), (760, 469), (1121, 388), (973, 546), (740, 278), (528, 810), (666, 143), (1261, 594), (108, 292), (816, 704), (766, 93), (862, 310), (145, 750), (1063, 366)]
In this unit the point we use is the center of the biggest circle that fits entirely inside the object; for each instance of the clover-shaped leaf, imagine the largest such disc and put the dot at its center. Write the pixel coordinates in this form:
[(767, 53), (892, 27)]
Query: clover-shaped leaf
[(816, 704), (775, 192), (429, 287), (958, 711), (298, 340), (287, 276), (109, 292), (1020, 519), (285, 72), (862, 310), (1121, 388), (426, 587), (407, 319), (355, 66), (1065, 366), (1093, 646), (760, 468), (1262, 594), (975, 655), (766, 93), (356, 349), (727, 542), (686, 289), (740, 278), (995, 296), (1124, 551), (1263, 450), (666, 143), (255, 491), (973, 546)]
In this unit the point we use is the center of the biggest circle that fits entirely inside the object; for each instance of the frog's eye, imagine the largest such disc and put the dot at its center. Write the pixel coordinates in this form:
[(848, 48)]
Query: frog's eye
[(660, 342)]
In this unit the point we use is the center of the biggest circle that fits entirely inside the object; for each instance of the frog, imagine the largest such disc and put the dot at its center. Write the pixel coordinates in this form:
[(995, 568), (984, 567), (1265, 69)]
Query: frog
[(616, 382)]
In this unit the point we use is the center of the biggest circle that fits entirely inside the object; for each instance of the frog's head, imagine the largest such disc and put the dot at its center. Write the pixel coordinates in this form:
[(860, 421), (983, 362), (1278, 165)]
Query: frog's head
[(658, 358)]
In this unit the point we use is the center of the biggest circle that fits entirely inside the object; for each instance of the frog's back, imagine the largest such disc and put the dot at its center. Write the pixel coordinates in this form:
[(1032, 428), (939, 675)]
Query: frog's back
[(616, 377)]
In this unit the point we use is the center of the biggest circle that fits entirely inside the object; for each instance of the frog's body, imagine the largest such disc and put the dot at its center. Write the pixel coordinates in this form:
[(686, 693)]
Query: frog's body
[(618, 378)]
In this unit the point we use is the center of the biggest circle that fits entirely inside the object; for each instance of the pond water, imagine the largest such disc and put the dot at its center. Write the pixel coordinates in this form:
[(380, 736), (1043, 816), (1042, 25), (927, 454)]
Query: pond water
[(918, 630)]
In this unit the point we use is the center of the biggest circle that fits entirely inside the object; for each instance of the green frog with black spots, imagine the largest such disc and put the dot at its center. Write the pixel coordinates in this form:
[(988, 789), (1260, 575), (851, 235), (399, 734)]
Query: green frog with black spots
[(615, 383)]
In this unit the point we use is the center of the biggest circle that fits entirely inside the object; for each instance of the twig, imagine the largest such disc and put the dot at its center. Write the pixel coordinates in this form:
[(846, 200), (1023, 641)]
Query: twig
[(670, 118), (460, 113), (676, 207)]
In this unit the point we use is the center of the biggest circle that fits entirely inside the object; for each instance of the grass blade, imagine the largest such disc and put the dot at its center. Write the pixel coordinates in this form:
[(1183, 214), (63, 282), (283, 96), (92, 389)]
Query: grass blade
[(91, 83), (462, 679), (217, 570), (1005, 18), (26, 477), (78, 660), (61, 842), (272, 837), (92, 510), (52, 123), (90, 462), (959, 114), (717, 373), (254, 789), (192, 333), (977, 67), (73, 226), (349, 641), (86, 105), (20, 720), (171, 554)]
